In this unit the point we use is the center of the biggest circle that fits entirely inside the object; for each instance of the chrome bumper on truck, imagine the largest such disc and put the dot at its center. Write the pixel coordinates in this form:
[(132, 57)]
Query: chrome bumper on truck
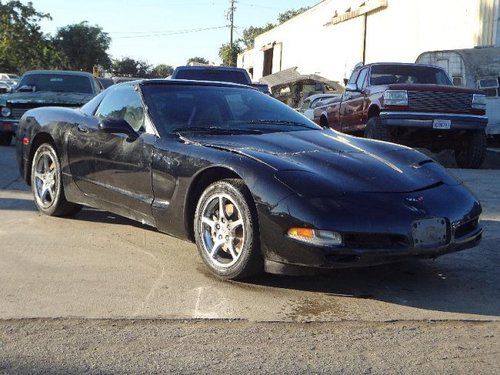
[(438, 121)]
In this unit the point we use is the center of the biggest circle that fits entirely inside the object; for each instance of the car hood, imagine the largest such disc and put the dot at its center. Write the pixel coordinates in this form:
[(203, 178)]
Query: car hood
[(339, 161), (436, 88), (46, 97)]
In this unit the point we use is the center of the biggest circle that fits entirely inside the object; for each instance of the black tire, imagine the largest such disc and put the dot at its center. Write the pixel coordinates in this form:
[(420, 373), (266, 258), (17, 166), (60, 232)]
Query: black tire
[(249, 261), (57, 205), (5, 139), (375, 130), (323, 122), (471, 152)]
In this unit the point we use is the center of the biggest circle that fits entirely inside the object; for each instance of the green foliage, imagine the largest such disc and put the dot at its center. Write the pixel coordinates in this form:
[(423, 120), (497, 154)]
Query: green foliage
[(229, 57), (198, 60), (285, 16), (83, 45), (22, 45), (162, 71), (128, 67)]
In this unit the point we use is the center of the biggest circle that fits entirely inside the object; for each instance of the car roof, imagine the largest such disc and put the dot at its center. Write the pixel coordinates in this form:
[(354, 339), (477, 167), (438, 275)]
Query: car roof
[(210, 67), (187, 82), (67, 72)]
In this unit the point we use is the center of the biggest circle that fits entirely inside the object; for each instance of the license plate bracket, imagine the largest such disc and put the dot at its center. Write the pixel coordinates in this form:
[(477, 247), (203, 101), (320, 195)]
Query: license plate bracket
[(430, 232), (441, 124)]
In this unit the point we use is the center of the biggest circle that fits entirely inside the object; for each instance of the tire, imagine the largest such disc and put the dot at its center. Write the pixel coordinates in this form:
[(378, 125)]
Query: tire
[(46, 183), (375, 130), (471, 152), (231, 252), (5, 139)]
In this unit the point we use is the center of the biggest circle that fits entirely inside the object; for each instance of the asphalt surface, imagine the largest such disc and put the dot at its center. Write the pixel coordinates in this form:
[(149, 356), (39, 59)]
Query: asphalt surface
[(67, 280)]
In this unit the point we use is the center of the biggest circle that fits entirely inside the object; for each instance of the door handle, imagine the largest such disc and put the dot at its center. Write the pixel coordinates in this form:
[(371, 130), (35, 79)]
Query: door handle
[(82, 128)]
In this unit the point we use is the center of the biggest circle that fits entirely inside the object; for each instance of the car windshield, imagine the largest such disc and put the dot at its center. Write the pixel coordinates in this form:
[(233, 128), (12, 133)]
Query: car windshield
[(408, 74), (176, 108), (219, 75), (57, 83)]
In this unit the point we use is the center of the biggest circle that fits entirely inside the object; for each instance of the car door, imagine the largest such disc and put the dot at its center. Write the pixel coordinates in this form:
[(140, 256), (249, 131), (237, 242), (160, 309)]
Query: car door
[(120, 166), (352, 107)]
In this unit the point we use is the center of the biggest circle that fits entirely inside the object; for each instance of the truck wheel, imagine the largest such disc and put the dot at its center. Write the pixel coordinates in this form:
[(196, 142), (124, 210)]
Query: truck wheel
[(375, 130), (471, 152), (5, 139)]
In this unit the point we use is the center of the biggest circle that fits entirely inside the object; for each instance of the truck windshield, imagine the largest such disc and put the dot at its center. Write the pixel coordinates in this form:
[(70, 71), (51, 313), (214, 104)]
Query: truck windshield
[(57, 83), (176, 108), (219, 75), (408, 74)]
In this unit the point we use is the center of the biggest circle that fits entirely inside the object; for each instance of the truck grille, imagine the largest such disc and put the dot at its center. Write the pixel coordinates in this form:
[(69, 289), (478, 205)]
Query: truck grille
[(429, 101), (17, 113), (19, 109)]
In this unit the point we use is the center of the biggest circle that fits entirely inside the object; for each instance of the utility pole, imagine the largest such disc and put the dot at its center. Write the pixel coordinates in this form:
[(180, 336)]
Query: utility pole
[(230, 16)]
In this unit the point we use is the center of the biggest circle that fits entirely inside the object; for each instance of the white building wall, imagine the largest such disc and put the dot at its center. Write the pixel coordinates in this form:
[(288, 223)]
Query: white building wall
[(400, 32)]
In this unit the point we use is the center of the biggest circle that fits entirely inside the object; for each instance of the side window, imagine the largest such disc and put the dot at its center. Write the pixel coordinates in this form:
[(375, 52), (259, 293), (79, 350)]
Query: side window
[(360, 82), (354, 77), (123, 103)]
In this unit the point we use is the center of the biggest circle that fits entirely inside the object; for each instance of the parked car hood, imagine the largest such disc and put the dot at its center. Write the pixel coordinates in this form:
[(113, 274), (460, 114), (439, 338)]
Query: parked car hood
[(51, 98), (347, 163), (436, 88)]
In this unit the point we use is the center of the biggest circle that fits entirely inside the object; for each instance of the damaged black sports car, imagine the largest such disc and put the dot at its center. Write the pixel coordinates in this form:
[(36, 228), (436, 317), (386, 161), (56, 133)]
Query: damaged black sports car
[(256, 185)]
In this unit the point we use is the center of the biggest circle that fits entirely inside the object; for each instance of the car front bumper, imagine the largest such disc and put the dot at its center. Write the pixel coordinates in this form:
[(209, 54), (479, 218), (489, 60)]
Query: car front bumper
[(426, 120), (8, 126)]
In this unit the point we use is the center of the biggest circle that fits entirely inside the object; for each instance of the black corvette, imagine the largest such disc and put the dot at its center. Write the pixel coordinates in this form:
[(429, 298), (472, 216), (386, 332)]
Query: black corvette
[(256, 185)]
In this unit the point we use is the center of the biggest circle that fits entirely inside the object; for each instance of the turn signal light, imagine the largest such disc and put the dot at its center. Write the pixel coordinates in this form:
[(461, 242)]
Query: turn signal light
[(316, 237)]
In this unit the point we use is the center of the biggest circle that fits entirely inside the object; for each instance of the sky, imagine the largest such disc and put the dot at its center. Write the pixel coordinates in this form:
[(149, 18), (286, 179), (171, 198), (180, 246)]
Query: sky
[(161, 31)]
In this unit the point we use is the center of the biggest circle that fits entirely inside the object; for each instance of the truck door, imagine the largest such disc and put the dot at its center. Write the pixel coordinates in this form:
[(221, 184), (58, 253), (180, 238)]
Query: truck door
[(353, 103)]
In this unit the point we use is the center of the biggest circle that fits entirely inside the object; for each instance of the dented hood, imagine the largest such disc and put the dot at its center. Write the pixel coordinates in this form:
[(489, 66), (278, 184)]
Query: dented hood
[(335, 160)]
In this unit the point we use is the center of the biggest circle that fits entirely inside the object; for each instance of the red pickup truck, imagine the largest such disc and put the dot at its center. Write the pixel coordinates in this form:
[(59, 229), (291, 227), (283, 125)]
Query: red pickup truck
[(411, 104)]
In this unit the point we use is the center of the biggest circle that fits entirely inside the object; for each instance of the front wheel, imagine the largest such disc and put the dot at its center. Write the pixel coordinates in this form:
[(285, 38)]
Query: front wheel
[(46, 183), (226, 230), (471, 151), (376, 130)]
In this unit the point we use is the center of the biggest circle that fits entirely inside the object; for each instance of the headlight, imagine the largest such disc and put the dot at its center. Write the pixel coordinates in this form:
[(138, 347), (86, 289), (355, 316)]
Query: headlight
[(5, 111), (396, 97), (479, 101), (315, 237)]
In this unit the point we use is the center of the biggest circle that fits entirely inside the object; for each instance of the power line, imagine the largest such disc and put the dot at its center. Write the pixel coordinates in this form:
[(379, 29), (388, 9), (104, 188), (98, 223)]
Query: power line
[(171, 32)]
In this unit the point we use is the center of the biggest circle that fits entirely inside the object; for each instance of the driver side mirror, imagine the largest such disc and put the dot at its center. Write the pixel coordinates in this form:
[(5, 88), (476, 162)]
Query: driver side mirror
[(351, 87), (346, 81), (118, 126)]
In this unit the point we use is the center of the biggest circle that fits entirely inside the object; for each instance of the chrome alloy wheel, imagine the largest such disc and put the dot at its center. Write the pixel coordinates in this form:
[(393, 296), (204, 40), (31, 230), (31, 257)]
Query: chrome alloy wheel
[(222, 230), (45, 179)]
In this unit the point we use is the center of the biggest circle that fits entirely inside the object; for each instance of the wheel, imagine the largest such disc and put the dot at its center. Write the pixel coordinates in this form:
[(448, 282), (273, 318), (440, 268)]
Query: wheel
[(471, 152), (375, 130), (5, 139), (46, 183), (226, 230), (323, 122)]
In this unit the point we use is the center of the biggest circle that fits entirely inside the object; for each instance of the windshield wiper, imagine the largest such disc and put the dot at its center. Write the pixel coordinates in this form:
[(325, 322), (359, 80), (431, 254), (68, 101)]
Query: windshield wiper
[(279, 122), (214, 129)]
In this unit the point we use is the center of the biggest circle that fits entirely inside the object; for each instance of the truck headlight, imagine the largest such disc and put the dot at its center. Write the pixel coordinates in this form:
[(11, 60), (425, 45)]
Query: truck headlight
[(479, 101), (316, 237), (396, 97), (5, 112)]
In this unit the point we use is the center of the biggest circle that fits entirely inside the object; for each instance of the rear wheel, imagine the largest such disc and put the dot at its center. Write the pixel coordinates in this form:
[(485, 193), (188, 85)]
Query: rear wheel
[(5, 139), (376, 130), (471, 151), (226, 230), (46, 183)]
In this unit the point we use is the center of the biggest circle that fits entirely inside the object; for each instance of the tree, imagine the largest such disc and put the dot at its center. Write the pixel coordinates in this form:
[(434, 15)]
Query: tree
[(129, 67), (162, 71), (285, 16), (249, 34), (197, 60), (83, 45), (229, 57), (22, 45)]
